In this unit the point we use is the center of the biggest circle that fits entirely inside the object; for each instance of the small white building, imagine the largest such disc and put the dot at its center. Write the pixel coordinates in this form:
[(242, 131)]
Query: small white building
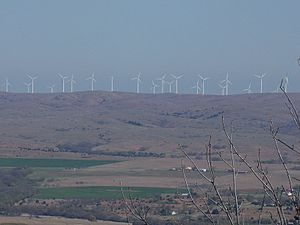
[(188, 168)]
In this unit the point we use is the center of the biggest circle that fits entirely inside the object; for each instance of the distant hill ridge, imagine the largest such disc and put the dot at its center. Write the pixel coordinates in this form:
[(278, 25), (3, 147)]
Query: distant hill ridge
[(139, 125)]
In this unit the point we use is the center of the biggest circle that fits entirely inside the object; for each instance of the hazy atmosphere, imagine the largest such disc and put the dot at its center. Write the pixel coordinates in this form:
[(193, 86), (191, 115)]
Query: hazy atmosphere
[(149, 112), (123, 38)]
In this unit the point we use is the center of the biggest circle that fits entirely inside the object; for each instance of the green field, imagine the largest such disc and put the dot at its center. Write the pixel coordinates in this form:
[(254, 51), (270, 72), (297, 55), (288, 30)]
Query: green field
[(58, 163), (100, 192)]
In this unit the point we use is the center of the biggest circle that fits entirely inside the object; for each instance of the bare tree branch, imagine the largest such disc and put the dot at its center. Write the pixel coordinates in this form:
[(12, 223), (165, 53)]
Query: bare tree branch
[(207, 215)]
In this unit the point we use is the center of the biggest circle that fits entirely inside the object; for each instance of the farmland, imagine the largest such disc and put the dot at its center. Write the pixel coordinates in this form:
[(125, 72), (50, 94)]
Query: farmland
[(74, 166), (51, 163), (100, 192), (47, 220)]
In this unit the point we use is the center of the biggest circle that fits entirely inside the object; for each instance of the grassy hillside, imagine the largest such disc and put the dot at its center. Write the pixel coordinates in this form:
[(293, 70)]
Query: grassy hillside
[(137, 125)]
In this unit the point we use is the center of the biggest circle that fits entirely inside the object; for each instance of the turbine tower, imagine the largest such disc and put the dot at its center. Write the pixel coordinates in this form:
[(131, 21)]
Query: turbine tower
[(248, 90), (261, 81), (203, 79), (6, 85), (92, 78), (154, 86), (112, 84), (170, 85), (176, 82), (28, 85), (286, 82), (197, 87), (138, 81), (72, 82), (32, 83), (226, 83), (63, 78), (51, 88), (162, 79), (223, 87)]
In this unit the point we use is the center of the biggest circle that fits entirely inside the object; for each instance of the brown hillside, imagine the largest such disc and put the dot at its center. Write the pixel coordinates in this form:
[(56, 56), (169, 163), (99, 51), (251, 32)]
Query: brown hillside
[(113, 122)]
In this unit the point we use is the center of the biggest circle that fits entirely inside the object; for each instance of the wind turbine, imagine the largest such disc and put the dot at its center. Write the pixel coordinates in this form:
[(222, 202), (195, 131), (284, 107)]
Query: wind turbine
[(162, 79), (72, 82), (92, 78), (51, 88), (176, 82), (112, 84), (6, 85), (28, 85), (223, 87), (286, 82), (261, 81), (154, 86), (32, 83), (63, 78), (197, 87), (248, 90), (138, 81), (170, 85), (226, 83), (203, 82)]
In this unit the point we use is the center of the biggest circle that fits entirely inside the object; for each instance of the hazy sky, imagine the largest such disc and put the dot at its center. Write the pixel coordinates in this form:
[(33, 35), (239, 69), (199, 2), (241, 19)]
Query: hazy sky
[(124, 37)]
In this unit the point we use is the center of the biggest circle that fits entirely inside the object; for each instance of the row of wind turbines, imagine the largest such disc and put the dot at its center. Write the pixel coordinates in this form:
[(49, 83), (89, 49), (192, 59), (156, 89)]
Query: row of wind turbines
[(30, 86), (199, 87), (200, 84)]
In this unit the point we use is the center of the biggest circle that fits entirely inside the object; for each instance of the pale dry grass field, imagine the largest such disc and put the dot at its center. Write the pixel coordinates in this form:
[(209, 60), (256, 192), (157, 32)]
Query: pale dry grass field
[(51, 220), (157, 173)]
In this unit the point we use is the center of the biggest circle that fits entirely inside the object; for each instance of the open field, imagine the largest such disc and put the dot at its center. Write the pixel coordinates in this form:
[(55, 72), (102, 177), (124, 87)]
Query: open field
[(56, 163), (152, 173), (50, 220), (100, 192), (141, 172)]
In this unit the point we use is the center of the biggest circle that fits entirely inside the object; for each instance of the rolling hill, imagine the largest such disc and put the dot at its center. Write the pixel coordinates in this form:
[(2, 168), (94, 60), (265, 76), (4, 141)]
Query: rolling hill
[(139, 125)]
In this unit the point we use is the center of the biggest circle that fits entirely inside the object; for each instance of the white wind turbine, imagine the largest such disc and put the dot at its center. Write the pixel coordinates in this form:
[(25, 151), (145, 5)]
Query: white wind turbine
[(248, 90), (223, 87), (138, 81), (93, 80), (154, 86), (176, 82), (226, 83), (32, 82), (170, 83), (28, 85), (51, 88), (197, 87), (63, 78), (112, 84), (6, 85), (72, 82), (162, 79), (261, 81), (285, 83), (203, 79)]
